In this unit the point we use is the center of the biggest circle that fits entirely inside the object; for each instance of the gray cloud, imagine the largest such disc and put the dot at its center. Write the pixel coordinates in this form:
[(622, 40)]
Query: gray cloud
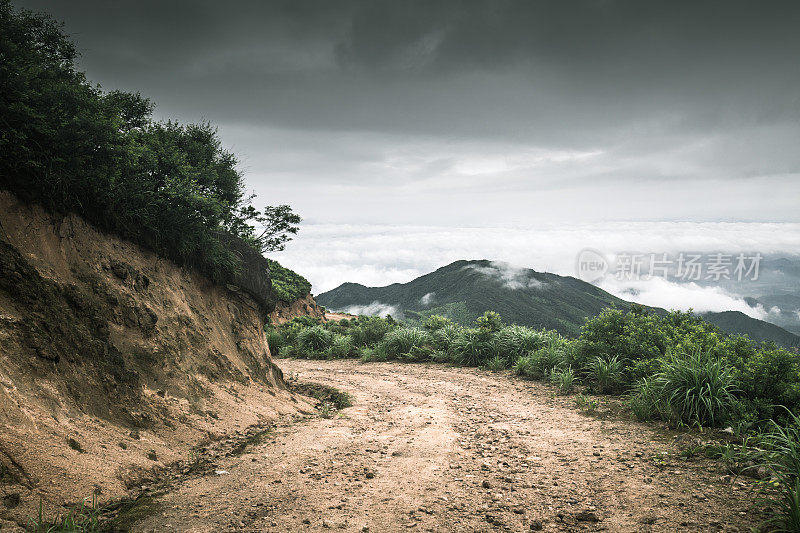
[(475, 113)]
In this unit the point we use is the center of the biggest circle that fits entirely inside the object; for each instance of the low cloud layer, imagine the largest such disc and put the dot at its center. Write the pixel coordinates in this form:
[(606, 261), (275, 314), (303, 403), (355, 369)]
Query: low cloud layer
[(511, 276), (380, 255), (658, 292), (376, 308), (331, 254)]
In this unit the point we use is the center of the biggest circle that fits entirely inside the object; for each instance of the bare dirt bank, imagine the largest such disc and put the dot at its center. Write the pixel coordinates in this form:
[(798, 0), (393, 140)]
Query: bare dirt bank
[(432, 448), (114, 361)]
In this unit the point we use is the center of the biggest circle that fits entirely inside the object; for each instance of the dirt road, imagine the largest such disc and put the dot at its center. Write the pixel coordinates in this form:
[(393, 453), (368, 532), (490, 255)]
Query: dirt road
[(432, 448)]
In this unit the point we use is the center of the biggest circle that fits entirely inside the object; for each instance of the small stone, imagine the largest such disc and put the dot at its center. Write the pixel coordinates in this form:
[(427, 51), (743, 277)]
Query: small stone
[(587, 516), (536, 525), (486, 484)]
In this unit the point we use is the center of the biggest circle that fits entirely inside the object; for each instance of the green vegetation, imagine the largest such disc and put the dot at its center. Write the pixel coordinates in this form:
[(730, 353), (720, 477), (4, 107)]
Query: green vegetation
[(778, 450), (84, 517), (288, 285), (72, 147)]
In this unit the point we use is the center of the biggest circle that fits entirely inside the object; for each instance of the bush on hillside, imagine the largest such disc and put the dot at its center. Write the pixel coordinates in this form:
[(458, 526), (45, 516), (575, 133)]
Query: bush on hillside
[(289, 286), (71, 147)]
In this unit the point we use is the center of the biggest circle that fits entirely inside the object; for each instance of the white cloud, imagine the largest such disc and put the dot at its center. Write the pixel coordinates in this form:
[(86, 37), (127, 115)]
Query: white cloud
[(374, 309), (376, 255), (659, 292), (512, 277), (427, 299)]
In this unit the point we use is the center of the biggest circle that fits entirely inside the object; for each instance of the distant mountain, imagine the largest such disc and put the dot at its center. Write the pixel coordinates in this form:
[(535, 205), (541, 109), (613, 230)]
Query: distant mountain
[(464, 290), (758, 330)]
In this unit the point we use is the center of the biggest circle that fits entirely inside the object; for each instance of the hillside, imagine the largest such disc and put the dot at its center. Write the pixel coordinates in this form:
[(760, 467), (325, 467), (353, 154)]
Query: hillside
[(115, 361), (464, 290), (758, 330)]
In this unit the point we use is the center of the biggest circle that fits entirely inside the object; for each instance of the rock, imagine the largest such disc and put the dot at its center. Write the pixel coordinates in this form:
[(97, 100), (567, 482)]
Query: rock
[(326, 524), (587, 516), (486, 484), (536, 525)]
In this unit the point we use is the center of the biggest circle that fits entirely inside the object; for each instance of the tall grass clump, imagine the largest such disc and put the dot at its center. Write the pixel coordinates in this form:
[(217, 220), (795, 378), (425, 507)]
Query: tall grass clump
[(473, 347), (341, 347), (443, 338), (697, 387), (515, 341), (605, 374), (314, 340), (564, 378), (402, 341), (778, 450)]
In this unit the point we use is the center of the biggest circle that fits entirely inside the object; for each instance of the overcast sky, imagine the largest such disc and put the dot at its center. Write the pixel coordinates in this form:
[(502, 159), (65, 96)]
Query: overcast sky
[(476, 113)]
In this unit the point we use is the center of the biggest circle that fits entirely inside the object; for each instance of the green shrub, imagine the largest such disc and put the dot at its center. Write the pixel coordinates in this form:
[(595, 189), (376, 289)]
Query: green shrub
[(605, 374), (697, 388), (436, 322), (275, 340), (768, 377), (400, 341), (564, 378), (490, 321), (341, 347), (314, 340), (288, 285), (473, 347), (369, 331), (515, 341), (496, 364)]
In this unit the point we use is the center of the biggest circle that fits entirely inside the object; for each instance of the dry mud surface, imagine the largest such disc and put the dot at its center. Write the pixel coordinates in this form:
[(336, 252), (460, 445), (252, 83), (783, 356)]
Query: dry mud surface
[(432, 448)]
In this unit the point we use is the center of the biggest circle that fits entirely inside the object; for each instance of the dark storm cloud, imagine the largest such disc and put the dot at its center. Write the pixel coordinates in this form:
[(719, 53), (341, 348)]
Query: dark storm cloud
[(587, 63), (420, 94)]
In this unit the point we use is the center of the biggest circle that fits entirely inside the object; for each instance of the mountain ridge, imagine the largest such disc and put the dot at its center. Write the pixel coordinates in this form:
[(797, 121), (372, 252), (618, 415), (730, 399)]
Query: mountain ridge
[(464, 289)]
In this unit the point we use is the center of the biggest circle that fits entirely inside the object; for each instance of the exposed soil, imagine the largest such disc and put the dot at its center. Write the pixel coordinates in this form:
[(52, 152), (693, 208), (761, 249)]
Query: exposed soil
[(114, 362), (433, 448)]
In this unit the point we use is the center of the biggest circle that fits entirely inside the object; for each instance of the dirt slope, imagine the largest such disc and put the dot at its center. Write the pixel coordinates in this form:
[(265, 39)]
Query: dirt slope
[(114, 361), (431, 448), (305, 306)]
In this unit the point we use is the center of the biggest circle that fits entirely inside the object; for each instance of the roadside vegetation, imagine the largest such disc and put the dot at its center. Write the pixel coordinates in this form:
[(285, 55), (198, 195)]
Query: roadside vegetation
[(74, 148), (675, 368)]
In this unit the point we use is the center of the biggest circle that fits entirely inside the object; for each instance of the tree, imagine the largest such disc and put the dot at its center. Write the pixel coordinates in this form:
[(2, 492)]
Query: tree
[(278, 223)]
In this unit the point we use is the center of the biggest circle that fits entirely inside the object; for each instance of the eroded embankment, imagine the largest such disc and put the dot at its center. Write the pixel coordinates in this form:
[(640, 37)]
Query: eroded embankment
[(114, 361)]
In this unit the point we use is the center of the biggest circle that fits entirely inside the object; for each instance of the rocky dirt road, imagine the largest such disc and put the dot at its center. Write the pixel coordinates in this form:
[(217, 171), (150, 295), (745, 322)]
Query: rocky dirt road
[(432, 448)]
